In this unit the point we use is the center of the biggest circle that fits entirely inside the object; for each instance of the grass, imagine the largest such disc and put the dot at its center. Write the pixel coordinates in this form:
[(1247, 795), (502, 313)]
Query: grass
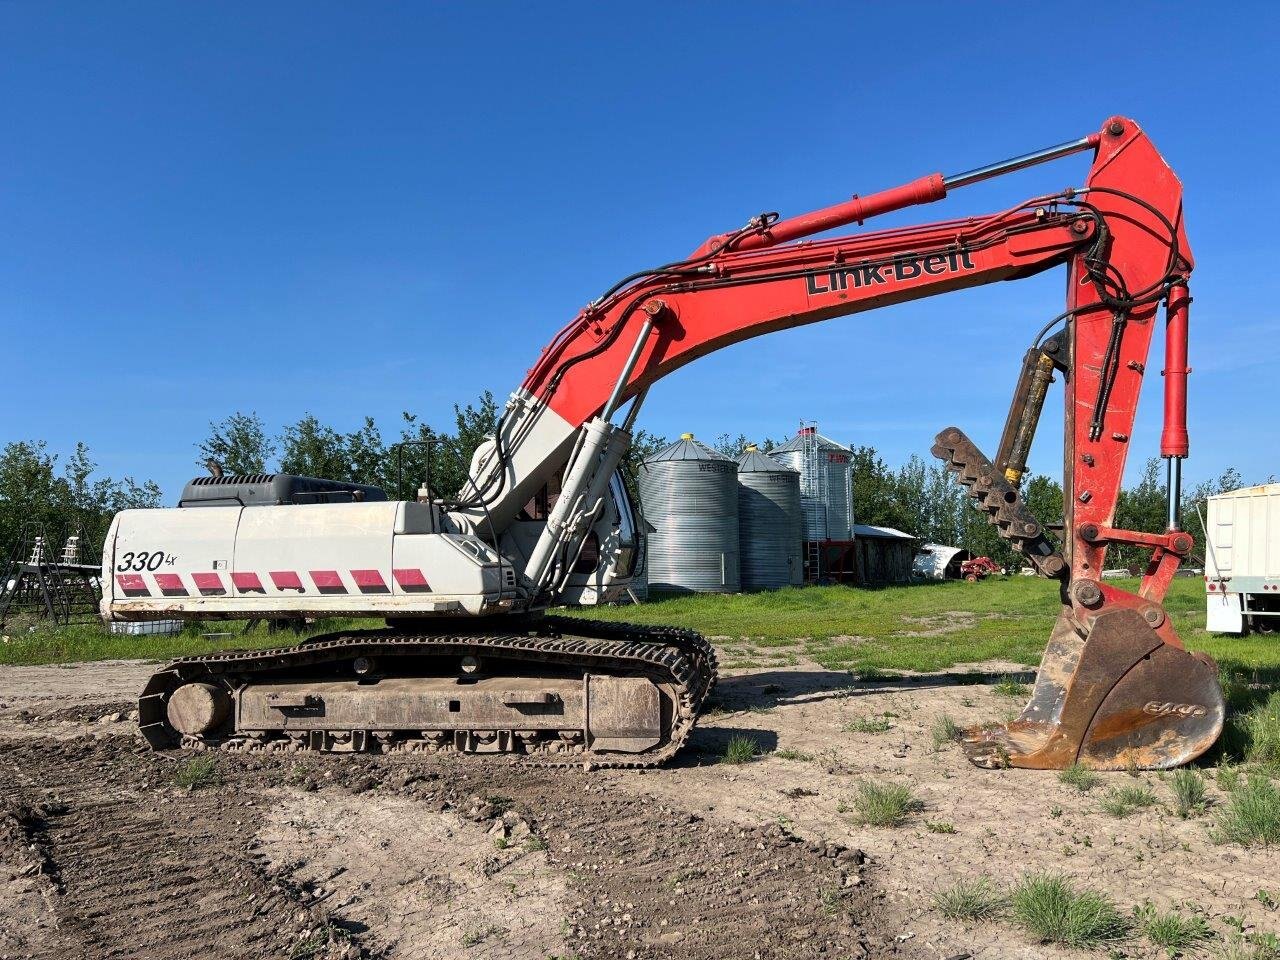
[(1050, 908), (944, 730), (789, 754), (1189, 792), (1082, 778), (1008, 686), (1010, 622), (885, 804), (22, 646), (200, 771), (478, 935), (1251, 815), (1119, 802), (740, 750), (1227, 777), (971, 900), (1171, 930), (868, 725), (939, 826)]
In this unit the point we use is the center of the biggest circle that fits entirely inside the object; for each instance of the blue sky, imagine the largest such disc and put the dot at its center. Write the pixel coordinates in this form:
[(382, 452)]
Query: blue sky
[(355, 209)]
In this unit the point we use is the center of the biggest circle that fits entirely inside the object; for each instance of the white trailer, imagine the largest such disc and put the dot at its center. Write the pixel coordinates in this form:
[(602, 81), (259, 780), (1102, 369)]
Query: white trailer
[(1242, 562)]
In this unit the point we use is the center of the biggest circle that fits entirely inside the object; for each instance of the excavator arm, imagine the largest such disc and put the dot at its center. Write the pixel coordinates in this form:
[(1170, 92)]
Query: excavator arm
[(1116, 686)]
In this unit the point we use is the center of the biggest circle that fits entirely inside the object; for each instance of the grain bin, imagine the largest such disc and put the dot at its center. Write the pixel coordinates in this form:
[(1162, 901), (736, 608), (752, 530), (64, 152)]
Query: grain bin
[(769, 522), (825, 480), (689, 493)]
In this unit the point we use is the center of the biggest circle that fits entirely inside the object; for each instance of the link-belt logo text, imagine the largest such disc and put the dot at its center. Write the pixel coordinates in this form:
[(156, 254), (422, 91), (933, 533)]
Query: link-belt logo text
[(906, 266)]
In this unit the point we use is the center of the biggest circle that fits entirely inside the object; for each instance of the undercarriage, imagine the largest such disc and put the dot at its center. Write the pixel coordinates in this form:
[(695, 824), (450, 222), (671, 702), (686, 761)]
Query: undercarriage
[(554, 690)]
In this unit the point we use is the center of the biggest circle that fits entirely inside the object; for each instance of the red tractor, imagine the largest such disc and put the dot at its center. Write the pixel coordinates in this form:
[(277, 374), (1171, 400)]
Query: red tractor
[(979, 568)]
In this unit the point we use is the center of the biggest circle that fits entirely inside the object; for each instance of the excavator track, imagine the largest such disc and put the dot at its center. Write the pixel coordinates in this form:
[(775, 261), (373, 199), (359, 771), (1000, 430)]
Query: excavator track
[(1000, 500), (680, 664)]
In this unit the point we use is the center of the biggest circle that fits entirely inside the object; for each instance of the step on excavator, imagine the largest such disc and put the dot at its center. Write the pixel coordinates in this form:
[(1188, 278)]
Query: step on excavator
[(470, 659)]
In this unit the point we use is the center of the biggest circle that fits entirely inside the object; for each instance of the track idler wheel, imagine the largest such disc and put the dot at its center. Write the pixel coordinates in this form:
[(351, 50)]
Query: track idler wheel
[(1119, 698)]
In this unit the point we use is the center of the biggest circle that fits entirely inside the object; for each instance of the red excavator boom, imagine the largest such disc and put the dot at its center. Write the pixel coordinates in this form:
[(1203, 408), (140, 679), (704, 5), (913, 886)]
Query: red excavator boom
[(1116, 687)]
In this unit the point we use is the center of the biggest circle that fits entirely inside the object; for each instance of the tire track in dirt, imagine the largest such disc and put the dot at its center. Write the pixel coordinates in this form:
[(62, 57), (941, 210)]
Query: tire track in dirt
[(146, 876)]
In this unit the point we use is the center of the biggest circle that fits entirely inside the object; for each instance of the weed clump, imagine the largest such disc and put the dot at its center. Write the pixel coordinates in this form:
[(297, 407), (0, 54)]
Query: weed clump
[(975, 899), (789, 754), (1049, 907), (1119, 802), (868, 725), (944, 730), (196, 773), (1171, 930), (1188, 793), (885, 804), (1082, 778), (1010, 686), (740, 750), (1251, 816)]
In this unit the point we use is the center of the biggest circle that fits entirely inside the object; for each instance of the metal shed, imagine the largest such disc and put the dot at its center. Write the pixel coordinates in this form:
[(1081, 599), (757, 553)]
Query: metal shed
[(937, 561)]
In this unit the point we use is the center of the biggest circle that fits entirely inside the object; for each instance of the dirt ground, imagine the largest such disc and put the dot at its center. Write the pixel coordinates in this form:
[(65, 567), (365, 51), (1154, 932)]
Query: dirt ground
[(101, 855)]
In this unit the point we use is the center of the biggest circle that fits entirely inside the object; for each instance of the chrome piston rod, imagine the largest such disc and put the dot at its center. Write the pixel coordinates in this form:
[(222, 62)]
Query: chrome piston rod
[(978, 174)]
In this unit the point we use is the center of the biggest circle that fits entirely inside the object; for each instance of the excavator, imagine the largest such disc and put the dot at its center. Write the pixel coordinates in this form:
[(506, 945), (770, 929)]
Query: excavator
[(473, 660)]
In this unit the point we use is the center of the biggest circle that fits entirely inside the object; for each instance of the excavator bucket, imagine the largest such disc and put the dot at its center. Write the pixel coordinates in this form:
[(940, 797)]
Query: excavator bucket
[(1111, 693), (1115, 696)]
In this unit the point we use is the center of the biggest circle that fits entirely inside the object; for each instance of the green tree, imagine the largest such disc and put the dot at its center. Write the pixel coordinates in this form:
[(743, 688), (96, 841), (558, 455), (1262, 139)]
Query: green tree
[(239, 443), (450, 453), (61, 503), (312, 449)]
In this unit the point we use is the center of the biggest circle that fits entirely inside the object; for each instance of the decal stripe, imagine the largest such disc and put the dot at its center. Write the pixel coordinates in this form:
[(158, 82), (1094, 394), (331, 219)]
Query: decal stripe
[(411, 580), (369, 581), (286, 580), (133, 585), (328, 581), (209, 584), (170, 585), (245, 582)]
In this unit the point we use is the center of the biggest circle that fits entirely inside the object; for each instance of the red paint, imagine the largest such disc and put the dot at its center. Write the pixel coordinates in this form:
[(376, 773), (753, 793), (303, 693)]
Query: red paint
[(133, 584), (286, 580), (1174, 441), (247, 581), (208, 583), (369, 581), (411, 579), (329, 581), (170, 584)]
